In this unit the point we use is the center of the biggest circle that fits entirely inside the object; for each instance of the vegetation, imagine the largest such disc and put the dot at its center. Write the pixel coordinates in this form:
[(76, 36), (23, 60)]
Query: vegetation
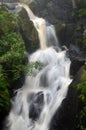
[(80, 39), (13, 59), (11, 55), (81, 5), (80, 10), (81, 115), (76, 34)]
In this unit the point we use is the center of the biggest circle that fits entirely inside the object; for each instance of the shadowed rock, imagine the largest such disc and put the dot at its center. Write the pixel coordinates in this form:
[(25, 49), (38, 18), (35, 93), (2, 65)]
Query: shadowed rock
[(36, 106)]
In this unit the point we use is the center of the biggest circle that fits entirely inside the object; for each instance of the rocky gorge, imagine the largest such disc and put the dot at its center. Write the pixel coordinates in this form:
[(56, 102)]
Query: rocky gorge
[(70, 28)]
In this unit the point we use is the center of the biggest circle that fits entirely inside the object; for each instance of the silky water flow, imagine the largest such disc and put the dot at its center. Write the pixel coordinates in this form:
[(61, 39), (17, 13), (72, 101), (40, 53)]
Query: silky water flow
[(43, 92)]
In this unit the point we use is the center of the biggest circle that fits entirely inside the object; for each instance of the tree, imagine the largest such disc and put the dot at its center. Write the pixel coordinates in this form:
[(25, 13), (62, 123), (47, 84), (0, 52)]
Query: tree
[(12, 56)]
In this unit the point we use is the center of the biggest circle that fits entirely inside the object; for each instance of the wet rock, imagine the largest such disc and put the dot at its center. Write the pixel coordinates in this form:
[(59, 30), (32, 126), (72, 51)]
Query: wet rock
[(51, 10), (65, 116), (36, 106)]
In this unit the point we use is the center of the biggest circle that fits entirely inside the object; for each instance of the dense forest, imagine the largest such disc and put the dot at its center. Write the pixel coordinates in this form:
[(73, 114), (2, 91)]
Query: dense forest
[(11, 57), (14, 36)]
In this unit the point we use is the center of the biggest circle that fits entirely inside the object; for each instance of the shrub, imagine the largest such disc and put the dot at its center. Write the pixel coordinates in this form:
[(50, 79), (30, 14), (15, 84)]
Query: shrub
[(11, 55), (81, 115)]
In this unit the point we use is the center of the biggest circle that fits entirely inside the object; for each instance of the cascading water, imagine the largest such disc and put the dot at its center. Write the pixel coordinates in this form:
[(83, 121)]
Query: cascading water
[(42, 94)]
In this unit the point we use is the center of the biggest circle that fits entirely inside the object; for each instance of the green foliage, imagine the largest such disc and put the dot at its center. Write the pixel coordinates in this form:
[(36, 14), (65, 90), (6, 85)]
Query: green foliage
[(3, 8), (4, 94), (11, 55), (79, 17), (31, 67), (80, 35), (11, 52), (84, 76), (82, 87), (81, 116), (81, 3), (81, 9), (7, 23), (82, 12)]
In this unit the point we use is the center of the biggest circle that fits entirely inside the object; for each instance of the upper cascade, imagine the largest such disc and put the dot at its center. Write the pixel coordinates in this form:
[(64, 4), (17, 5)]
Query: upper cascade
[(46, 32)]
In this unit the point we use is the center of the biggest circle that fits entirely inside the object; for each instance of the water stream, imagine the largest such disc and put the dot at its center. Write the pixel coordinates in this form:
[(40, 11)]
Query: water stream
[(43, 92)]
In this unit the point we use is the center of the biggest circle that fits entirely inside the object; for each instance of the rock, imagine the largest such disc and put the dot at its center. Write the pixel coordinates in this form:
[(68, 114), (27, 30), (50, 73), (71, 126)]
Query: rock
[(36, 106), (65, 117), (28, 32), (51, 10)]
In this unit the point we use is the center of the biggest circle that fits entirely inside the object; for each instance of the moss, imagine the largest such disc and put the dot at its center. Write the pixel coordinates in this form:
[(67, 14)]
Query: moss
[(60, 27), (28, 31), (78, 28)]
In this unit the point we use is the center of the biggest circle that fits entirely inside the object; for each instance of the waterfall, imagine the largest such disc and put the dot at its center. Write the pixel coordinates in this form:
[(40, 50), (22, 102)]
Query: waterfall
[(35, 104)]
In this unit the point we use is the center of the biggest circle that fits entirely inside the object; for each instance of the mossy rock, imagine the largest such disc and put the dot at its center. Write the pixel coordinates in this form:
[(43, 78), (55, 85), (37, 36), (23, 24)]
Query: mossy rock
[(60, 27), (28, 31)]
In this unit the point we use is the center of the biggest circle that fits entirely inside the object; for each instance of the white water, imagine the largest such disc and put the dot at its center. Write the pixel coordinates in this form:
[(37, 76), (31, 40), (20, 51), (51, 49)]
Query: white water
[(42, 94)]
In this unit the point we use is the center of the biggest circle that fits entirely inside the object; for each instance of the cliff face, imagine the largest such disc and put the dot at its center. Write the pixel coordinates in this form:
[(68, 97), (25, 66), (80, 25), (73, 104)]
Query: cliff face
[(51, 10)]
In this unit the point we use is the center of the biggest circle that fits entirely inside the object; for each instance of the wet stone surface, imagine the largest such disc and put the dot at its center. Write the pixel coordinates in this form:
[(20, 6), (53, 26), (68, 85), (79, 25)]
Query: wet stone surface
[(36, 106)]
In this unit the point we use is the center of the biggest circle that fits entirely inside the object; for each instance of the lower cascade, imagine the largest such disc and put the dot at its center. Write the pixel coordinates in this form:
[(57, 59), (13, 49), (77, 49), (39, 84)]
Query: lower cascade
[(43, 92)]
